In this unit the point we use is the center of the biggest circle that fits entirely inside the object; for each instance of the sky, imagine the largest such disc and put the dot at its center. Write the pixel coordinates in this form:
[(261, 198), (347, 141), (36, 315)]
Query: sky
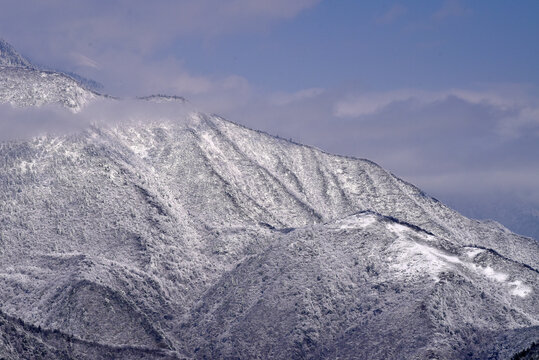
[(443, 93)]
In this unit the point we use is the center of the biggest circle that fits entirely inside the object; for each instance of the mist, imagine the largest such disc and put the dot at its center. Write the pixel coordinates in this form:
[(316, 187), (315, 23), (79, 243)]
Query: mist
[(23, 123)]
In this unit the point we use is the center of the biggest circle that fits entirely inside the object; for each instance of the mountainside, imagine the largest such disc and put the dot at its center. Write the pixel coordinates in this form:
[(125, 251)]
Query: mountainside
[(21, 84), (194, 237), (10, 57)]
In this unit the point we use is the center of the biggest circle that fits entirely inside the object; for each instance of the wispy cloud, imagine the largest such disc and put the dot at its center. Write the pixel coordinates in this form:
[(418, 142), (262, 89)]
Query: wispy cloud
[(18, 123), (514, 114), (395, 12), (288, 98), (451, 8), (136, 25), (82, 60), (368, 103), (102, 40)]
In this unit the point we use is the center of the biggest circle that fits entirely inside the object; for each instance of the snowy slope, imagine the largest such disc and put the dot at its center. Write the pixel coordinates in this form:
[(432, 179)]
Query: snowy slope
[(152, 225), (21, 84), (30, 87), (347, 289), (194, 237), (10, 57)]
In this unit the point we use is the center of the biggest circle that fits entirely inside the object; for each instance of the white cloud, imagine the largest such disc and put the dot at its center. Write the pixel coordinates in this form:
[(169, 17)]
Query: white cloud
[(82, 60), (288, 98), (51, 119), (116, 42), (94, 27), (518, 112), (370, 103)]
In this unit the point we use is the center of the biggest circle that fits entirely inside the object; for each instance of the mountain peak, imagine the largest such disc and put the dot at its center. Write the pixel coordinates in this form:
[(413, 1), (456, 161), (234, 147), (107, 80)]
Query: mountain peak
[(22, 84), (10, 57)]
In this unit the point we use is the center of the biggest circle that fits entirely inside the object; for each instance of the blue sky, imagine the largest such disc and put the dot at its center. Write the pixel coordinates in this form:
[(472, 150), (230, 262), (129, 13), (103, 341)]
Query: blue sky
[(381, 46), (442, 93)]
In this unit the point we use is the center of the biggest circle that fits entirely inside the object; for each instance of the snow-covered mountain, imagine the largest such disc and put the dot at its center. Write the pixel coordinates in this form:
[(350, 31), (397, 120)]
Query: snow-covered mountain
[(10, 57), (22, 84), (194, 237)]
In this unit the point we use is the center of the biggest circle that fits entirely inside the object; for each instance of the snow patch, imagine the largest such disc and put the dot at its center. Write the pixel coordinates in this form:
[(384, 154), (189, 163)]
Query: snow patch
[(140, 150), (415, 259), (430, 252), (520, 289), (24, 166), (473, 252), (492, 274), (72, 154), (397, 229), (355, 222)]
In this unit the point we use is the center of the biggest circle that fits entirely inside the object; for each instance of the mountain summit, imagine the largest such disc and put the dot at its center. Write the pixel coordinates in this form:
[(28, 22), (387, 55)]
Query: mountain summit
[(21, 84), (10, 57), (194, 237)]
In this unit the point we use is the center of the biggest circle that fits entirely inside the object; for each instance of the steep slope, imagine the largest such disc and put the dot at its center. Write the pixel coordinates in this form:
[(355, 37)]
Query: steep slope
[(21, 84), (262, 179), (10, 57), (20, 340)]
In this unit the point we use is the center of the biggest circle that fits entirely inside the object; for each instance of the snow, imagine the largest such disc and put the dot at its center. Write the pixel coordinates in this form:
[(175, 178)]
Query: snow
[(517, 287), (433, 255), (356, 222), (25, 165), (417, 259), (520, 289), (24, 86), (492, 274), (473, 252), (398, 229)]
